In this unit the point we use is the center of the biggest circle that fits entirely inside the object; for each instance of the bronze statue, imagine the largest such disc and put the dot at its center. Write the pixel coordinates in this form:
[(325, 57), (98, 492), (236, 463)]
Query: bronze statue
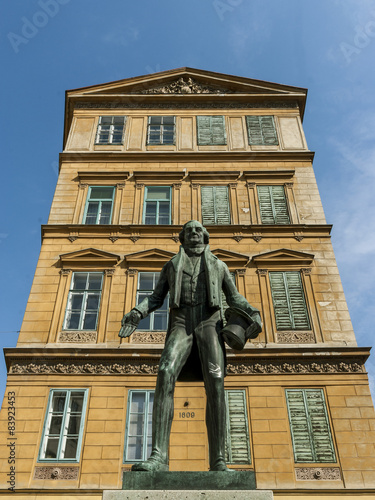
[(195, 279)]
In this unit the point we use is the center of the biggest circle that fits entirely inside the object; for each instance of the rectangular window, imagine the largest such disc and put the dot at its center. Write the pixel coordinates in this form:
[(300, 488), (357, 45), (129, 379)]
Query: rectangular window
[(63, 425), (110, 130), (272, 205), (138, 426), (289, 301), (157, 208), (83, 301), (157, 320), (99, 205), (161, 130), (211, 130), (261, 131), (215, 205), (237, 438), (309, 426)]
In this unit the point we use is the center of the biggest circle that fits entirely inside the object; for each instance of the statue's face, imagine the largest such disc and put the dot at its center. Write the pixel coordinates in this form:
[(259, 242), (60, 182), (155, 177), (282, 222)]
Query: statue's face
[(193, 234)]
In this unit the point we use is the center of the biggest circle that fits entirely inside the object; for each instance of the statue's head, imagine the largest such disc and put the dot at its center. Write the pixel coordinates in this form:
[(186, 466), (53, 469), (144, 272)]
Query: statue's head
[(193, 234)]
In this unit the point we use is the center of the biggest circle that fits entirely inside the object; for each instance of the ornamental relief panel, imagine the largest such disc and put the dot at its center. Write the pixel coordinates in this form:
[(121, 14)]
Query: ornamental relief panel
[(318, 473), (52, 472)]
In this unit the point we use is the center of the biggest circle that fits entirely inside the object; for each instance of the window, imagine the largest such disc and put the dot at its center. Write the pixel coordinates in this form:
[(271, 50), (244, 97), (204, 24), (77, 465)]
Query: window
[(272, 205), (289, 301), (261, 131), (99, 205), (138, 426), (237, 438), (157, 208), (211, 130), (161, 130), (215, 205), (157, 320), (309, 426), (110, 130), (83, 301), (63, 426)]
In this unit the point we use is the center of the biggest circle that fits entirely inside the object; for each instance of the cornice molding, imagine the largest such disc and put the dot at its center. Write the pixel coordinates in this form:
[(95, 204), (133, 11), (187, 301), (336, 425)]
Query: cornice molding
[(225, 156)]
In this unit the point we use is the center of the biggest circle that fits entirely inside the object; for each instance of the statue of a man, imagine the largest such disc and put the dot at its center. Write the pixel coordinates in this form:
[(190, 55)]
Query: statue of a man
[(195, 279)]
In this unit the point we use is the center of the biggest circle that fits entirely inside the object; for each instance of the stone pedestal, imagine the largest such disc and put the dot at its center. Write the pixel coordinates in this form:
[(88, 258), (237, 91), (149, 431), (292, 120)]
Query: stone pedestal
[(187, 495), (235, 485)]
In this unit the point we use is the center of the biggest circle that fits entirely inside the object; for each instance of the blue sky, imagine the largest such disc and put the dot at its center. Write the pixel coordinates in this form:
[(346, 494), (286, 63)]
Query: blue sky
[(328, 46)]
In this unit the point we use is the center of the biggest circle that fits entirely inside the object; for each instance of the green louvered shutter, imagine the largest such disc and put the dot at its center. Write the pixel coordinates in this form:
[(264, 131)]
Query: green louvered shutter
[(211, 130), (309, 426), (272, 204), (215, 205), (289, 301), (261, 131), (237, 439)]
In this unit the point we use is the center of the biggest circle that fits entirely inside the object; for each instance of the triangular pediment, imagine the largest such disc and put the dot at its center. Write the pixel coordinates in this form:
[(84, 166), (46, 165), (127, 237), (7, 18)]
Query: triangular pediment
[(232, 259), (188, 81), (89, 257), (283, 257), (151, 259)]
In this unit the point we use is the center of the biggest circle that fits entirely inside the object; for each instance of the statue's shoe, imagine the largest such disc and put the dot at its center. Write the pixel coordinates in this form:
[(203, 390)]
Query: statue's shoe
[(151, 465), (220, 466)]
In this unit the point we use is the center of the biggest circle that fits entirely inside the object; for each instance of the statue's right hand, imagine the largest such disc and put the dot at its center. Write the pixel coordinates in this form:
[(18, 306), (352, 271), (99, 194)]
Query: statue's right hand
[(129, 323)]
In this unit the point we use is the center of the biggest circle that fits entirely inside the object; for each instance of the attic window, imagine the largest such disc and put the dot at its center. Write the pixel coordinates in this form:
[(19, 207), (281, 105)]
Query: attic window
[(110, 130)]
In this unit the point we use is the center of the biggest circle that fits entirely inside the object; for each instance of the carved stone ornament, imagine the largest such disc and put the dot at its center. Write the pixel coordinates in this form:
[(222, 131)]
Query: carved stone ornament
[(257, 237), (131, 272), (113, 238), (150, 366), (65, 272), (82, 337), (187, 105), (185, 86), (52, 472), (72, 238), (175, 238), (298, 236), (296, 338), (237, 236), (262, 272), (318, 473), (148, 337), (134, 238)]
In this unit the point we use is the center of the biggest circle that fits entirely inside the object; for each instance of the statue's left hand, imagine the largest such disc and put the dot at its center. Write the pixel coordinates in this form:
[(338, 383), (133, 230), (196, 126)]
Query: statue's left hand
[(129, 323)]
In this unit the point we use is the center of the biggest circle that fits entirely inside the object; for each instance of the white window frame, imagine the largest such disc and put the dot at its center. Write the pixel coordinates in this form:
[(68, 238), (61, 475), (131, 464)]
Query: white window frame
[(151, 316), (146, 429), (100, 201), (111, 132)]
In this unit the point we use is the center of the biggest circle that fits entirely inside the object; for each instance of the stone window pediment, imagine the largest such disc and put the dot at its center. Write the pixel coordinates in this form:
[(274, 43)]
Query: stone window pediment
[(89, 258)]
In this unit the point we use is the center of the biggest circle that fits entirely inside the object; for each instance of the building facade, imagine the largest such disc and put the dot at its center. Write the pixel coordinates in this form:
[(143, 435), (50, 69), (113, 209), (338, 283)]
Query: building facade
[(141, 157)]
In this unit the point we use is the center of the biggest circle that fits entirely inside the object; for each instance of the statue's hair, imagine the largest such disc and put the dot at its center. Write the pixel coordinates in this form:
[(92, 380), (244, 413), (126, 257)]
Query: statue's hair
[(206, 236)]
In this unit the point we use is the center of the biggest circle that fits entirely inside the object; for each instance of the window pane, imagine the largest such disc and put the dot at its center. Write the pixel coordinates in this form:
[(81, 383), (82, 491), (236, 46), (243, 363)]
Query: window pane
[(51, 449), (151, 210), (105, 119), (92, 212), (79, 281), (76, 301), (119, 119), (146, 281), (155, 120), (137, 404), (76, 402), (74, 423), (70, 448), (55, 426), (92, 302), (160, 321), (72, 321), (101, 193), (168, 120), (89, 323), (95, 281), (136, 421), (144, 324), (135, 448), (158, 193), (58, 402)]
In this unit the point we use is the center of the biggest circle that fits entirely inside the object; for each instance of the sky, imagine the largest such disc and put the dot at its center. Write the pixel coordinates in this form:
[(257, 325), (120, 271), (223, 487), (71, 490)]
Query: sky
[(327, 46)]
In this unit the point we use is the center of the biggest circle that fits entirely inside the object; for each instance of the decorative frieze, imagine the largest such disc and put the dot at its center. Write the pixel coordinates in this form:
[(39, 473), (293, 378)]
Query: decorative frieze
[(184, 86), (128, 104), (51, 472), (148, 338), (318, 473), (81, 337), (296, 338), (147, 366)]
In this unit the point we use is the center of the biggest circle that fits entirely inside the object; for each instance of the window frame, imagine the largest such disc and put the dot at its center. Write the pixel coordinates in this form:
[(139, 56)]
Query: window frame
[(161, 131), (110, 132), (98, 215), (151, 316), (47, 419), (145, 433), (84, 303), (329, 436), (145, 201)]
